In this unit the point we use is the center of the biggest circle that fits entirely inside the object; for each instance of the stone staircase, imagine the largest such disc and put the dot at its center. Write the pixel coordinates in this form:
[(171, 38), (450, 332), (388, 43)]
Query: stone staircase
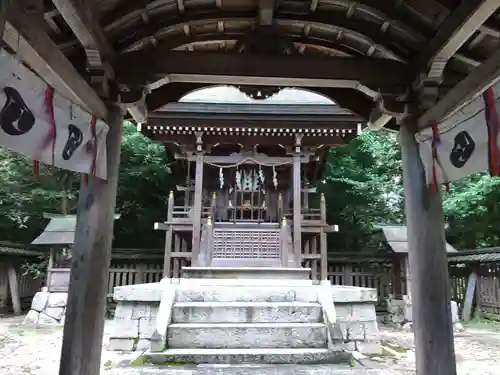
[(252, 326), (246, 325)]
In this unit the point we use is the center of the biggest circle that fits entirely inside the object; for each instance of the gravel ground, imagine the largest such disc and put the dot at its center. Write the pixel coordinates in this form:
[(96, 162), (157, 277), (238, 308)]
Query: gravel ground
[(36, 351)]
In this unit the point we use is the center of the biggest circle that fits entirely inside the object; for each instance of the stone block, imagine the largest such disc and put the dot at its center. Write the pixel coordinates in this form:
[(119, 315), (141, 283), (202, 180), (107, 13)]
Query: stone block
[(355, 312), (144, 310), (454, 312), (248, 358), (253, 335), (146, 328), (31, 318), (55, 312), (359, 331), (44, 319), (247, 312), (40, 301), (58, 300), (140, 292), (245, 293), (345, 294), (125, 329), (142, 344), (370, 347), (119, 344), (124, 310)]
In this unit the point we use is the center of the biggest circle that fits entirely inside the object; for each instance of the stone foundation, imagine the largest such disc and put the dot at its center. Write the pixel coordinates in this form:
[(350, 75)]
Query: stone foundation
[(47, 309), (399, 313), (137, 308)]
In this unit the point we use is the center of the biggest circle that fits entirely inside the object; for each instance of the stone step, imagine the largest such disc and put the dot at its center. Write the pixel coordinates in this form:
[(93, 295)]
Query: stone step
[(247, 356), (246, 335), (250, 370), (245, 293), (247, 312), (246, 273)]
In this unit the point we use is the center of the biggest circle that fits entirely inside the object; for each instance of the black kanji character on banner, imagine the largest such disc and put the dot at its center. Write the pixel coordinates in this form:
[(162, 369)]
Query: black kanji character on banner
[(75, 138), (462, 150), (15, 117)]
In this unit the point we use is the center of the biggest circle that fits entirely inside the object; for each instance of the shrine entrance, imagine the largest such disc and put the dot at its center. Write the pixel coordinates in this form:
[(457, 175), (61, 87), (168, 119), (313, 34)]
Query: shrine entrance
[(401, 65)]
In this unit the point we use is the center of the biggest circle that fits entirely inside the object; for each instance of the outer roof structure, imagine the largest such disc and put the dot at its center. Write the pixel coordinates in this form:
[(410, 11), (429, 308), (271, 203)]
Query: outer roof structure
[(366, 56), (397, 238)]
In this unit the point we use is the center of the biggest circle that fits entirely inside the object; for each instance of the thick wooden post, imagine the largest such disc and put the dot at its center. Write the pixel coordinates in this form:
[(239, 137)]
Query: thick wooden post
[(198, 191), (428, 265), (168, 236), (297, 203), (322, 240), (85, 311), (14, 288)]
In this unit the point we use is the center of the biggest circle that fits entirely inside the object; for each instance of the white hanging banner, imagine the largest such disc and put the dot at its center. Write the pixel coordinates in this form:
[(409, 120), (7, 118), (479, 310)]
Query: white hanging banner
[(42, 125), (466, 142)]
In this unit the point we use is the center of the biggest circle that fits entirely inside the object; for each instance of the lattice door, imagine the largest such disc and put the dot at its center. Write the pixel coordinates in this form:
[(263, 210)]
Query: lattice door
[(246, 244)]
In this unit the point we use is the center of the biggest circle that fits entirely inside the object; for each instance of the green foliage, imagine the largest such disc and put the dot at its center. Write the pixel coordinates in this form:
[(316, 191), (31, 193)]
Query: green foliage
[(36, 269), (471, 209), (145, 181), (363, 186)]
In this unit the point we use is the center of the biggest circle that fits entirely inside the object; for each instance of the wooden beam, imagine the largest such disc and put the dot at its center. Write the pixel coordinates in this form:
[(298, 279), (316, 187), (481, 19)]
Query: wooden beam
[(212, 140), (168, 236), (198, 201), (40, 53), (469, 296), (368, 75), (428, 264), (86, 306), (474, 84), (239, 158), (14, 288), (453, 34), (80, 17), (297, 202), (266, 12)]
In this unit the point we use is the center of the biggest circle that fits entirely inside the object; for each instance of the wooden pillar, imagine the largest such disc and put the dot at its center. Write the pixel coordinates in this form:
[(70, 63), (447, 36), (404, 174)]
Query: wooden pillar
[(85, 311), (297, 204), (322, 239), (198, 195), (168, 236), (428, 265), (50, 265), (5, 6), (14, 288)]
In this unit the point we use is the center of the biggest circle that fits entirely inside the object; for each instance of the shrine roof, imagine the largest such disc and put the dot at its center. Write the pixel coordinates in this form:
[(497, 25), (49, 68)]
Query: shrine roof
[(251, 119), (397, 238)]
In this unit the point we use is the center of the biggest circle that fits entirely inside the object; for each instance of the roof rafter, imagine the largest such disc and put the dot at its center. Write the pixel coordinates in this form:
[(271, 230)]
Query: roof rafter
[(36, 48), (476, 82), (80, 17), (453, 34)]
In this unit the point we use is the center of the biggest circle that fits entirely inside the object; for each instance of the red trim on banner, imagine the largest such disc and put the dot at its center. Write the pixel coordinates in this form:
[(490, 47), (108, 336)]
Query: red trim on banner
[(493, 125), (49, 103), (36, 169)]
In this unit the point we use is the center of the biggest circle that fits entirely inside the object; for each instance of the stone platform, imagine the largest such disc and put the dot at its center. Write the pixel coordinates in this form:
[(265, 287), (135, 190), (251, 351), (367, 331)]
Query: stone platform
[(267, 273), (250, 370)]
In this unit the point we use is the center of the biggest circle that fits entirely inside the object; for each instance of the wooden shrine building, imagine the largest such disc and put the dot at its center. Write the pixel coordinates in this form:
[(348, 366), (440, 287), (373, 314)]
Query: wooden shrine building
[(249, 196), (404, 65)]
